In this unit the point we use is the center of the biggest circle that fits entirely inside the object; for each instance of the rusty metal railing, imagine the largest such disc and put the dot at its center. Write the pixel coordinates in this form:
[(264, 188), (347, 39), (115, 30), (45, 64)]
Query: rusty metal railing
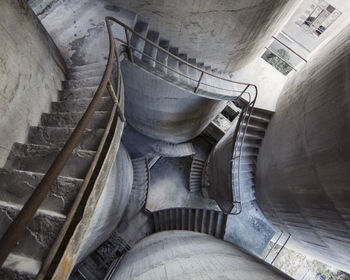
[(236, 95), (18, 226)]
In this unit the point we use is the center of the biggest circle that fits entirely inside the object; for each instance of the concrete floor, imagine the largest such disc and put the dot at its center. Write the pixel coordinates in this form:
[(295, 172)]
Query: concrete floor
[(169, 186)]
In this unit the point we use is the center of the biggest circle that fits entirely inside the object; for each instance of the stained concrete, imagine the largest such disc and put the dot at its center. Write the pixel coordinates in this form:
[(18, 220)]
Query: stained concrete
[(31, 71), (111, 204), (224, 34), (190, 255), (162, 110), (303, 179), (169, 186)]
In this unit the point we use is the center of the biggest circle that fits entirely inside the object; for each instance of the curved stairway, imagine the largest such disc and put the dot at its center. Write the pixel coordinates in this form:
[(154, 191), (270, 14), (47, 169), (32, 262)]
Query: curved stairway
[(256, 128), (28, 162), (201, 220), (161, 64)]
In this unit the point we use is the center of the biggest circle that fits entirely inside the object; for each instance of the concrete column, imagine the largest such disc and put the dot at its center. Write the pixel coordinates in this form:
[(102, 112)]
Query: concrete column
[(191, 255), (303, 172)]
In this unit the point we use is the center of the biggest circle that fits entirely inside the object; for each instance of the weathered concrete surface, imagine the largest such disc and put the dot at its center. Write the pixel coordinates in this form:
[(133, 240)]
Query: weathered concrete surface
[(169, 186), (303, 179), (189, 255), (79, 30), (224, 34), (162, 110), (249, 230), (111, 204), (31, 71)]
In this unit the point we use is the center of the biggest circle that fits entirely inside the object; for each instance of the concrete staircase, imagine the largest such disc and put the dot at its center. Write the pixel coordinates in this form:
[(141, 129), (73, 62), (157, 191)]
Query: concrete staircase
[(28, 162), (201, 220), (196, 173), (170, 69), (257, 126)]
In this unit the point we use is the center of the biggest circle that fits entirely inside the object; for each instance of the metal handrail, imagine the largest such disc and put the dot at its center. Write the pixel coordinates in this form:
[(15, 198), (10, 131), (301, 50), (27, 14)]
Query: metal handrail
[(245, 113), (24, 217)]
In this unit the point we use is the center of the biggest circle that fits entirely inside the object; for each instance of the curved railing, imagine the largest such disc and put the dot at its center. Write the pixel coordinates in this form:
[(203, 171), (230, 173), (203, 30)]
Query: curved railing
[(18, 226), (235, 96)]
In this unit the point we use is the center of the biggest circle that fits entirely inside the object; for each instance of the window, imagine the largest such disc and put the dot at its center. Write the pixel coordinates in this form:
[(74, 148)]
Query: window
[(281, 56), (319, 17)]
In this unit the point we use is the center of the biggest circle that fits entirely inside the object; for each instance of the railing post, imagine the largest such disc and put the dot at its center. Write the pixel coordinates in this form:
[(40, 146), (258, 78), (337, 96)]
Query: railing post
[(115, 100), (131, 57), (199, 82)]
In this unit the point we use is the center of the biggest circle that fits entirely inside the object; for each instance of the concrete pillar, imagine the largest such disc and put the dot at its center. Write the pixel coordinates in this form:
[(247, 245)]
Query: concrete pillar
[(303, 172), (162, 110), (191, 255)]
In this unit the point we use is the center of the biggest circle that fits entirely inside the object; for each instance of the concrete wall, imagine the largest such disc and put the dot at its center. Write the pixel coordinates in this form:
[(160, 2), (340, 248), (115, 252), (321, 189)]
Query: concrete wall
[(219, 171), (303, 179), (31, 71), (164, 111), (79, 29), (190, 255), (111, 204), (224, 34)]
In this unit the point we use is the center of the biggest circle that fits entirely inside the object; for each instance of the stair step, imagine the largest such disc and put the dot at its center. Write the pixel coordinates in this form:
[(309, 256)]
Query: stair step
[(77, 93), (174, 150), (16, 186), (162, 57), (258, 122), (246, 168), (82, 83), (57, 137), (261, 113), (70, 120), (149, 49), (88, 67), (173, 63), (80, 105), (40, 233), (77, 75), (38, 158), (17, 266), (141, 28)]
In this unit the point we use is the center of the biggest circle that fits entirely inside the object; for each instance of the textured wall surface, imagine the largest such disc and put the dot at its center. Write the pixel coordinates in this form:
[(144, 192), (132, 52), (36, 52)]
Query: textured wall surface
[(224, 34), (163, 111), (190, 255), (303, 178), (30, 73), (111, 204)]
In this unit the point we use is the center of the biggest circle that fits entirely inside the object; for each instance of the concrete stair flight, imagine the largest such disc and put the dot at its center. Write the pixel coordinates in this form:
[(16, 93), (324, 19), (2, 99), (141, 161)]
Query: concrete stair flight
[(140, 186), (165, 66), (27, 164), (200, 220), (256, 128), (196, 173)]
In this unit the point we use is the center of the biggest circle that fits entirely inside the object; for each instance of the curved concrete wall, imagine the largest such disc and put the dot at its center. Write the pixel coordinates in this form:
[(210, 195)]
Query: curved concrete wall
[(111, 205), (225, 34), (219, 172), (303, 178), (190, 255), (31, 71), (162, 110)]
